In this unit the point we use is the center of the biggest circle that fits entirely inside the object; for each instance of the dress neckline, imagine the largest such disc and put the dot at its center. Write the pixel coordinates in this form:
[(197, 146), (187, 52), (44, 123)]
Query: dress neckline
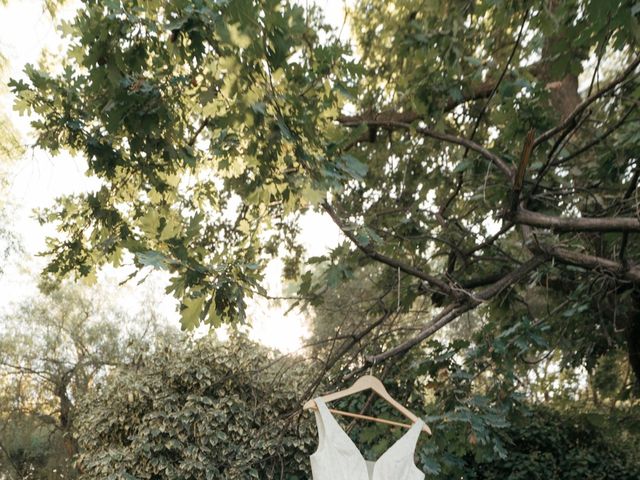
[(374, 463)]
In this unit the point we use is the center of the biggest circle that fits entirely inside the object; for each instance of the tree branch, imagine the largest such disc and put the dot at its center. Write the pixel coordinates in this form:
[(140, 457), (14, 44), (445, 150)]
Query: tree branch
[(353, 339), (447, 315), (446, 137), (492, 157), (443, 209), (194, 137), (392, 262), (512, 277), (596, 140), (491, 240), (522, 169), (571, 118), (481, 91), (591, 262), (500, 78), (582, 224), (454, 310), (625, 236)]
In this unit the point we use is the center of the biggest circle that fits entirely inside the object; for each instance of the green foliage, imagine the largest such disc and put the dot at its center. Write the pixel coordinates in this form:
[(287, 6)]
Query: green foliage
[(221, 410), (214, 125), (484, 429), (205, 410), (234, 94), (545, 444), (480, 390)]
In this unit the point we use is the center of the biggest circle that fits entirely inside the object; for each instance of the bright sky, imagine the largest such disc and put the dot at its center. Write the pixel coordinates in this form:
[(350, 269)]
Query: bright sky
[(38, 178)]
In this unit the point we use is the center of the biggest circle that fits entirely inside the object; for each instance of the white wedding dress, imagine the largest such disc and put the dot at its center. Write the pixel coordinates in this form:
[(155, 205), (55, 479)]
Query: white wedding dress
[(338, 458)]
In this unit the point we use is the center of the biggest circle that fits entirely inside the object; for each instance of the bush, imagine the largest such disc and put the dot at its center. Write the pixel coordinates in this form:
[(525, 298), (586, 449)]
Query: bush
[(208, 410), (553, 445)]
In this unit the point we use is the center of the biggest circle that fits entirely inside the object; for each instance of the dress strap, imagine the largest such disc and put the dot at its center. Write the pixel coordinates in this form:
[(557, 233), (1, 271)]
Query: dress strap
[(330, 424), (321, 421), (324, 413), (411, 438)]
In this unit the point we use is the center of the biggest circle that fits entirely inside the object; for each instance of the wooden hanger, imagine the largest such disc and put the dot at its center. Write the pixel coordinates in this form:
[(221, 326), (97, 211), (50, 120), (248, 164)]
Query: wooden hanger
[(363, 383)]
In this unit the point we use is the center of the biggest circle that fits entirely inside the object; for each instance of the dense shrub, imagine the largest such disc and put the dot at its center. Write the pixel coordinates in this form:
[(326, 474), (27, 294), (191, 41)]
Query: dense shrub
[(552, 445), (208, 410)]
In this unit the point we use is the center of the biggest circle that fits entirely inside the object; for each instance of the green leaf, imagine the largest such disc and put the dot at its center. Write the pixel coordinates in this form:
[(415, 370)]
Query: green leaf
[(463, 165), (191, 311), (353, 166), (153, 259), (284, 130)]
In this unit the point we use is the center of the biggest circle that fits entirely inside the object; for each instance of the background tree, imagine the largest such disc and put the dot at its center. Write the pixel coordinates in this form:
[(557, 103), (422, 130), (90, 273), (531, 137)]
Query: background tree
[(54, 349), (11, 148)]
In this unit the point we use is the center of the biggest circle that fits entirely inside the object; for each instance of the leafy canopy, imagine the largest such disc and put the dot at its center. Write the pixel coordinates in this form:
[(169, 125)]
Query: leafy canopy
[(489, 158), (206, 123)]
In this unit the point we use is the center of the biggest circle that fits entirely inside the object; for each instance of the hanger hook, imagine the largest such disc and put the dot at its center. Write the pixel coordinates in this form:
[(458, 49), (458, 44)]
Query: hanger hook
[(398, 306), (373, 364)]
